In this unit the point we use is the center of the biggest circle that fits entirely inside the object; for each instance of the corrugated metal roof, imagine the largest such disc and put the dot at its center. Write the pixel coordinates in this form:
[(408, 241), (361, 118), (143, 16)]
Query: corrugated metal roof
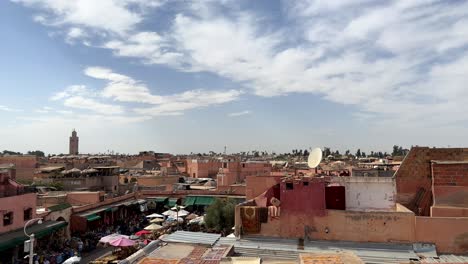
[(288, 249), (446, 259), (192, 237)]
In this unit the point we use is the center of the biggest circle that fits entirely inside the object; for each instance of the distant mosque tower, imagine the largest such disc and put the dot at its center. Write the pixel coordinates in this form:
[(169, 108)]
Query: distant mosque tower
[(74, 143)]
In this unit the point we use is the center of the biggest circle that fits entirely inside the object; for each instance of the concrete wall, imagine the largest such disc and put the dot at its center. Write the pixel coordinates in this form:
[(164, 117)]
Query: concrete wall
[(368, 193), (344, 225), (448, 211), (16, 204), (450, 234), (95, 183)]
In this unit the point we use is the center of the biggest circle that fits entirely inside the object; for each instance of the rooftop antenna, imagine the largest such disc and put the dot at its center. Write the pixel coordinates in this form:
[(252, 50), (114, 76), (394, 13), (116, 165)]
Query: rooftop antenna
[(315, 157)]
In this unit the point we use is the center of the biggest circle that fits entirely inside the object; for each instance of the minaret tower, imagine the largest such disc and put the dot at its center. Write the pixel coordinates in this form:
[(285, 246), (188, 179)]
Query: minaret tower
[(74, 143)]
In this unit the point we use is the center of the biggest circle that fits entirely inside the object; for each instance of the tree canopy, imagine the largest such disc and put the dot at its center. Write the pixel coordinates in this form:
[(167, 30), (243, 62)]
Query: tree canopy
[(220, 215)]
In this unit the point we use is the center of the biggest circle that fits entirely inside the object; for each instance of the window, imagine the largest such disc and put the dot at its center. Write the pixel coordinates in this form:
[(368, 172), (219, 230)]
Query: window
[(8, 218), (27, 214), (305, 183), (289, 186), (243, 165), (225, 165)]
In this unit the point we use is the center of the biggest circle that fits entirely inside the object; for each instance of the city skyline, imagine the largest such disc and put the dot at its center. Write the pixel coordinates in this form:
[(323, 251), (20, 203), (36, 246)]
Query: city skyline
[(185, 77)]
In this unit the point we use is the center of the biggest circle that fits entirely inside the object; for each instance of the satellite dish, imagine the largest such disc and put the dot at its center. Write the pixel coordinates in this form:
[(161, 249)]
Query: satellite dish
[(315, 157)]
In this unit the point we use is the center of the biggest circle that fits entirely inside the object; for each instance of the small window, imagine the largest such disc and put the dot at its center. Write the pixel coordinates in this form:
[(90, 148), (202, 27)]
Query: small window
[(289, 186), (27, 214), (305, 183), (8, 218), (243, 165), (225, 165)]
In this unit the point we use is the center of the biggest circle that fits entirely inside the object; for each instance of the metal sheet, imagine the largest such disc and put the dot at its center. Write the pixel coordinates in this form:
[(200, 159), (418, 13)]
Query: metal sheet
[(192, 237)]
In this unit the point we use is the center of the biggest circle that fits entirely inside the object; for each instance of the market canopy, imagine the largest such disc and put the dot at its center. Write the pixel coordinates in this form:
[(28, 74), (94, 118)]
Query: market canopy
[(111, 237), (92, 217), (142, 232), (204, 200), (153, 227), (17, 237), (122, 242), (190, 200), (172, 202), (155, 216)]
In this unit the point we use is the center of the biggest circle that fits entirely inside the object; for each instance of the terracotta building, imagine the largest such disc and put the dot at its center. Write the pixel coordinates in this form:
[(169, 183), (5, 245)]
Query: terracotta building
[(233, 171), (413, 178), (25, 165), (366, 209), (17, 207)]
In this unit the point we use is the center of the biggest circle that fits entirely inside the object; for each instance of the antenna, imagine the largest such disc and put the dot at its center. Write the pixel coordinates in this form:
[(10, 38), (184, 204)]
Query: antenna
[(314, 159)]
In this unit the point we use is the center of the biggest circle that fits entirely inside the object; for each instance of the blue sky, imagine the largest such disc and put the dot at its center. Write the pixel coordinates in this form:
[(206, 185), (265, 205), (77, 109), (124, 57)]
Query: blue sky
[(194, 76)]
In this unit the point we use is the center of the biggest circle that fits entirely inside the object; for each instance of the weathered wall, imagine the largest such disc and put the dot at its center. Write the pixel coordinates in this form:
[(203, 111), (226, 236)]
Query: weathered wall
[(308, 198), (368, 193), (450, 234), (156, 180), (16, 204), (256, 185), (456, 196), (203, 168), (415, 170), (448, 211), (83, 198), (450, 174), (344, 225), (25, 165), (61, 215)]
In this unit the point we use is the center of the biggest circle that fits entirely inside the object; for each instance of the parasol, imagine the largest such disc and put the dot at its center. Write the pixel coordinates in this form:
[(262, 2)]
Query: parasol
[(153, 227), (122, 242)]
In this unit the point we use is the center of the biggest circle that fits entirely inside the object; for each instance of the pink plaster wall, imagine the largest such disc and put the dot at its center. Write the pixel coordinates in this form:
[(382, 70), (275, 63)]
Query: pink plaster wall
[(450, 234), (344, 225), (16, 204)]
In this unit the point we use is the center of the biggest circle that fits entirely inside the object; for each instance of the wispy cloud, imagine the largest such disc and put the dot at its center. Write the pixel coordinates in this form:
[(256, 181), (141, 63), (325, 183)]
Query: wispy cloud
[(395, 59), (120, 88), (8, 109), (246, 112)]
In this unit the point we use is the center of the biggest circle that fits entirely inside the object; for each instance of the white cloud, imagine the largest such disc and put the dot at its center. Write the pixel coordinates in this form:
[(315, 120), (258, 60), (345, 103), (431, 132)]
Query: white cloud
[(246, 112), (93, 105), (71, 90), (178, 103), (125, 89), (122, 88), (8, 109), (390, 58), (113, 16)]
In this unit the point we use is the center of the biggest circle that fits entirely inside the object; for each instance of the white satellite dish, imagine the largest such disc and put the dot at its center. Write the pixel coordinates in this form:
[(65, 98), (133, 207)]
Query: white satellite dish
[(315, 157)]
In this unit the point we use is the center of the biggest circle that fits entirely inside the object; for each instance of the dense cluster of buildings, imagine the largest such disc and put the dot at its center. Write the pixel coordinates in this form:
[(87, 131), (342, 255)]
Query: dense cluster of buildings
[(422, 198)]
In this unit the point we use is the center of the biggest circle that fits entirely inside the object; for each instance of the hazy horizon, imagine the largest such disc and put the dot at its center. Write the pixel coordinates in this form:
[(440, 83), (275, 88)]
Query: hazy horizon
[(195, 76)]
